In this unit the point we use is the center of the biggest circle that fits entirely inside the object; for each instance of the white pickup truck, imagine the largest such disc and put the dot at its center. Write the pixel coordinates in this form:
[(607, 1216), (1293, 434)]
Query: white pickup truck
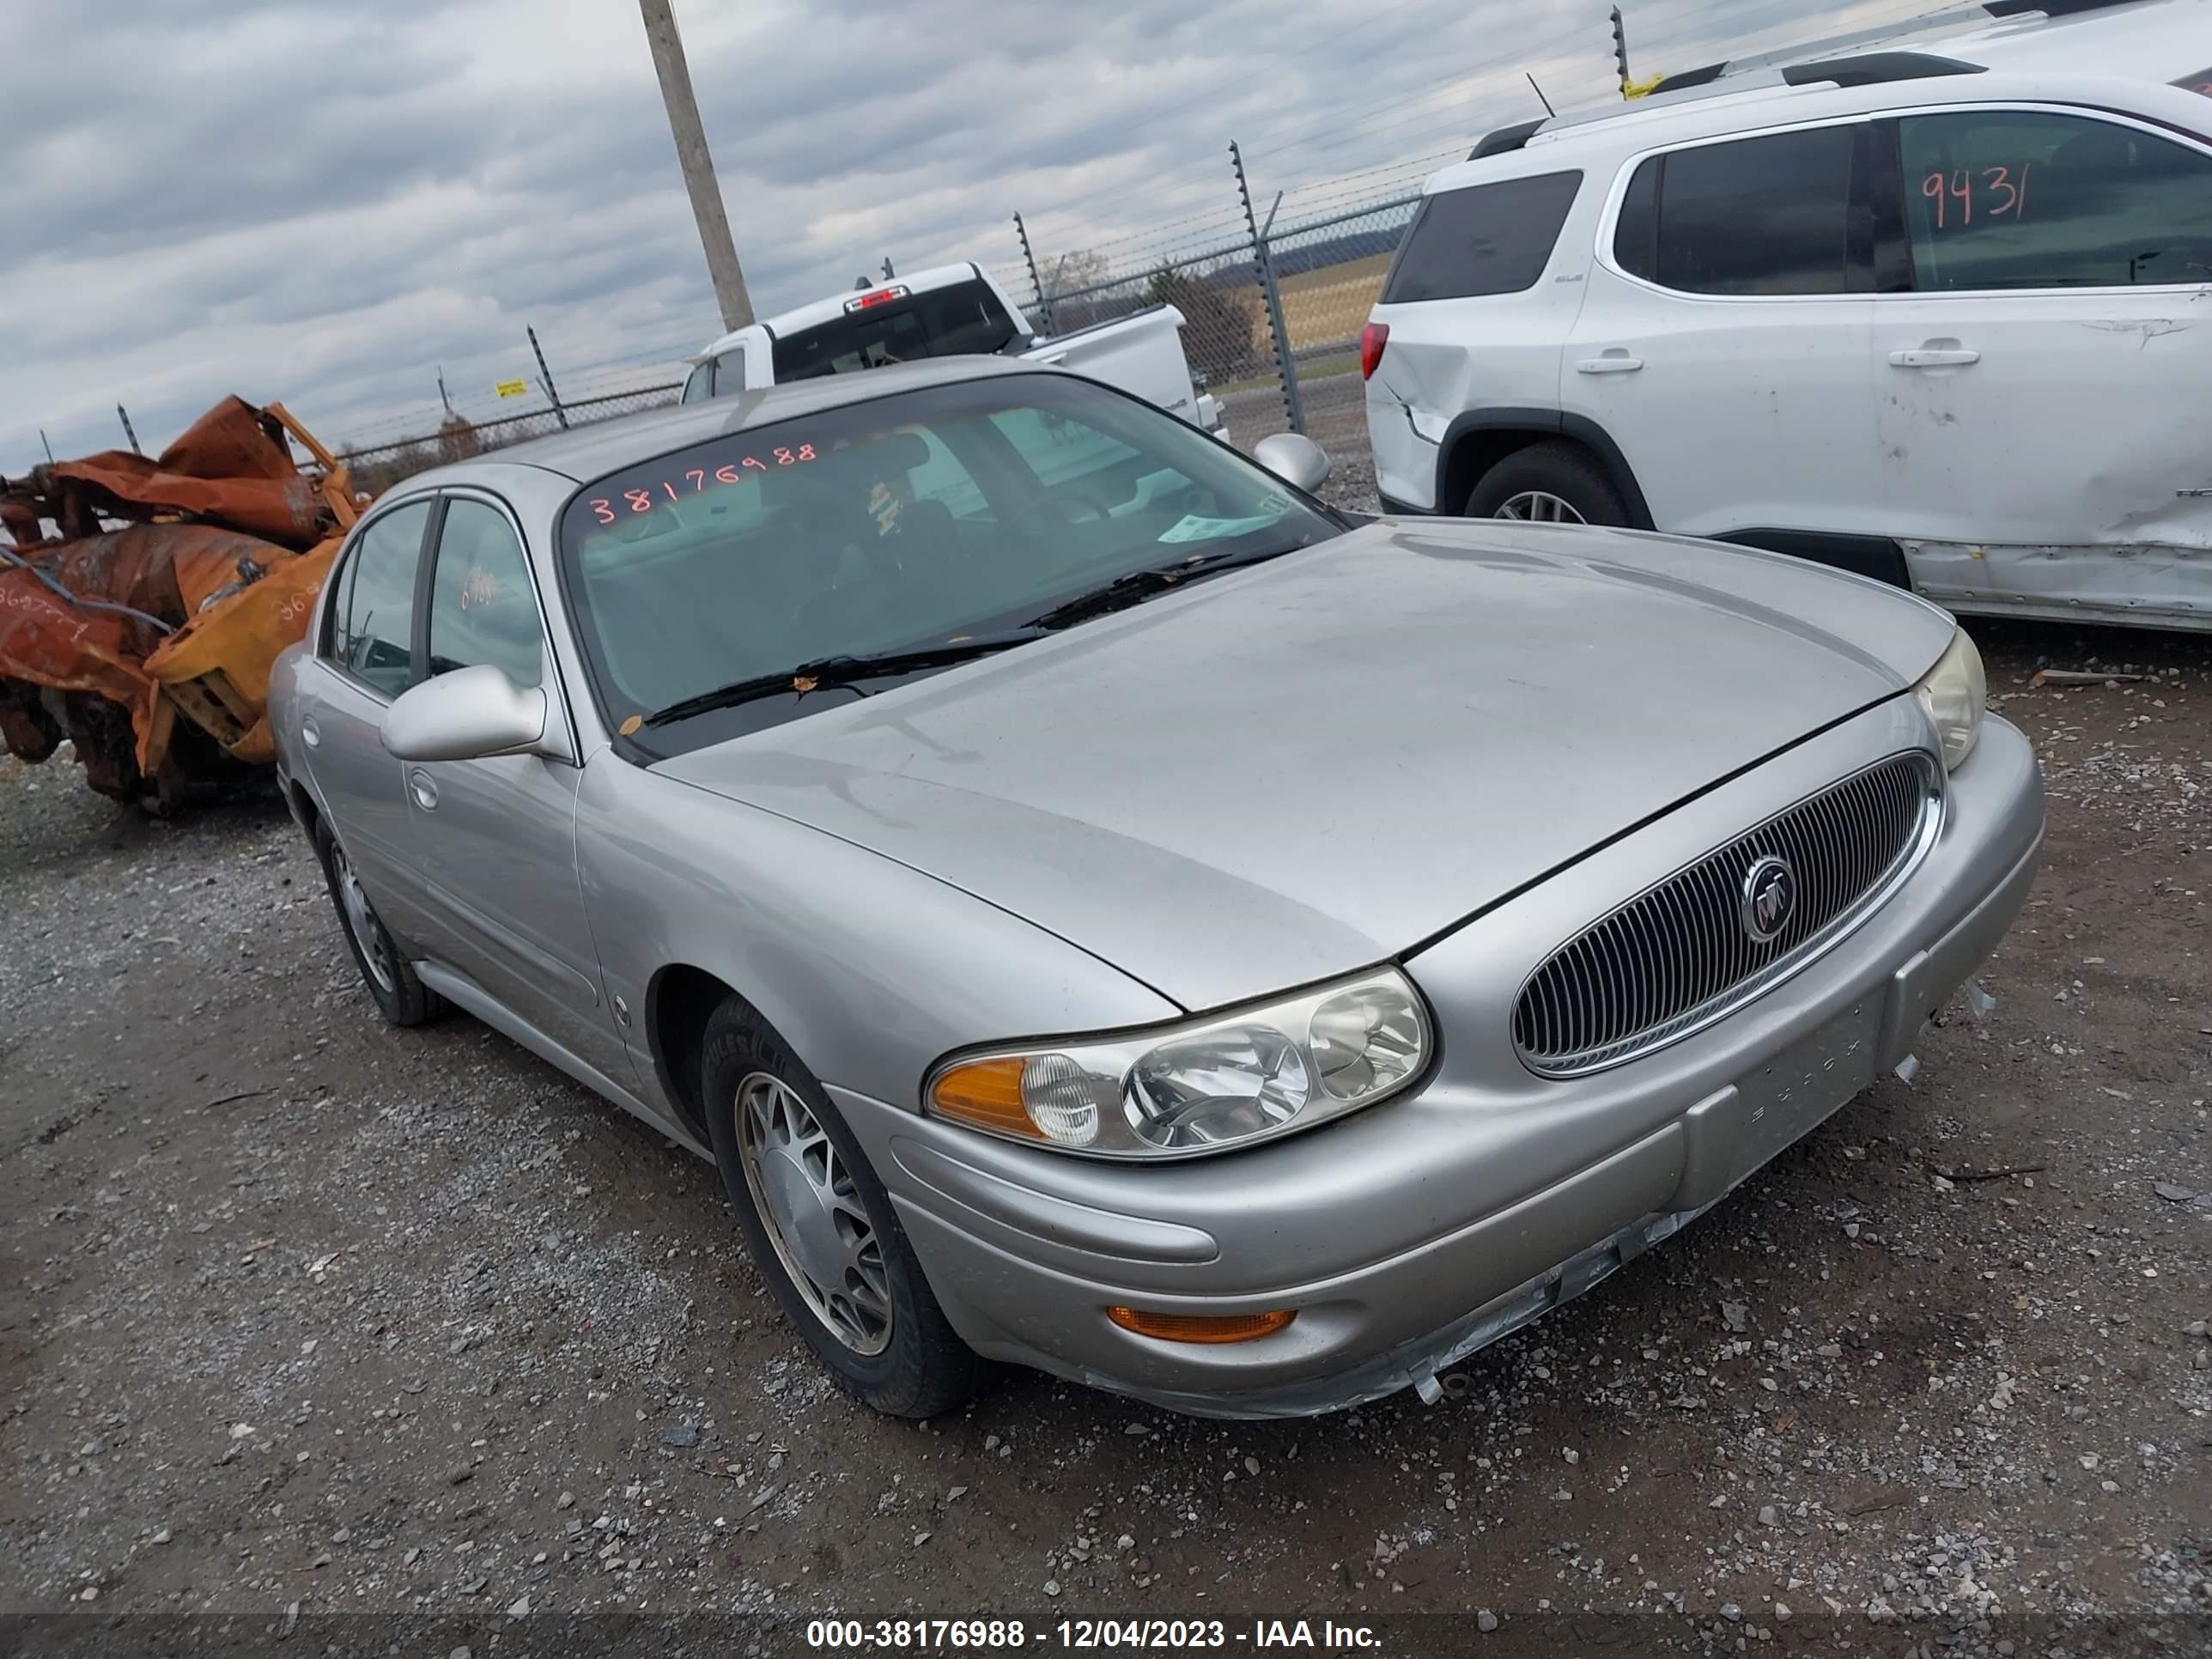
[(947, 311)]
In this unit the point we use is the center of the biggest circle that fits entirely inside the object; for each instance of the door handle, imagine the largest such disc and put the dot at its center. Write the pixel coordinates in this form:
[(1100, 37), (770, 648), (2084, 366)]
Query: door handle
[(1615, 361), (1936, 354), (424, 788), (310, 734)]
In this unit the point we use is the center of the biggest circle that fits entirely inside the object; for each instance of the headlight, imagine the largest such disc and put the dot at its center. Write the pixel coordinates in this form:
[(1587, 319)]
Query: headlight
[(1953, 696), (1202, 1087)]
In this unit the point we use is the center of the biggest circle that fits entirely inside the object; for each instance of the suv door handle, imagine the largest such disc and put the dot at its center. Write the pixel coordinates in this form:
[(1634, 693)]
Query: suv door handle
[(310, 734), (1935, 353), (1615, 361), (424, 788)]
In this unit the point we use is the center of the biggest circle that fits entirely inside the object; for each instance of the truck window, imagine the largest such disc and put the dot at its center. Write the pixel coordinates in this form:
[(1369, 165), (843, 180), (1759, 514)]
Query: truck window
[(965, 319), (1485, 239)]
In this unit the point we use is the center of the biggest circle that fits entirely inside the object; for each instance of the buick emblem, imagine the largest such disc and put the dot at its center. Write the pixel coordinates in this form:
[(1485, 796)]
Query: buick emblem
[(1770, 898)]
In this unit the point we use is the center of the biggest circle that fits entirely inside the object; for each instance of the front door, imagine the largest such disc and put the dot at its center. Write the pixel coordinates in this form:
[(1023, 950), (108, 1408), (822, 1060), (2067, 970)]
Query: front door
[(2041, 388), (362, 662), (491, 842)]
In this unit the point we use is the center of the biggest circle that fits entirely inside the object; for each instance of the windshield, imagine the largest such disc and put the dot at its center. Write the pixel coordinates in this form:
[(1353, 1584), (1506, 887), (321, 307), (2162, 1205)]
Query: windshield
[(967, 316), (929, 519)]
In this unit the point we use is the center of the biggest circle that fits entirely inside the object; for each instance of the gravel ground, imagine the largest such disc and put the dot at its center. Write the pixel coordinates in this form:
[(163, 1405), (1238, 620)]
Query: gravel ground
[(301, 1315)]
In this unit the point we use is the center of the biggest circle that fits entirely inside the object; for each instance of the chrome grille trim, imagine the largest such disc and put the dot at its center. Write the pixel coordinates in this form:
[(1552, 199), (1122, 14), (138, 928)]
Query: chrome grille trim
[(1676, 957)]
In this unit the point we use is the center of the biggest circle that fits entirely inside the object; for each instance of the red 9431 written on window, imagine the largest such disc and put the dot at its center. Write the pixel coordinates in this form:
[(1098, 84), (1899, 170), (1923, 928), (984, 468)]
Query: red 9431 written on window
[(694, 481), (1963, 195)]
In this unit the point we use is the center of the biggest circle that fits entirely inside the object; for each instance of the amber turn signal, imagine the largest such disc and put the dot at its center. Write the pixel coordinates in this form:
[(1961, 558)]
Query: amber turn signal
[(1202, 1327), (986, 1093)]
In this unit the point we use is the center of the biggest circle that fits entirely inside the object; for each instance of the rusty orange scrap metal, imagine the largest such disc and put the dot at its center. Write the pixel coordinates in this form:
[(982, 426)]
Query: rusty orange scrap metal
[(143, 602)]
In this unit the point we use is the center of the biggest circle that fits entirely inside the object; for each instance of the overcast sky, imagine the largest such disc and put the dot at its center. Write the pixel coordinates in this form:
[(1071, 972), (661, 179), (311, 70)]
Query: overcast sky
[(324, 205)]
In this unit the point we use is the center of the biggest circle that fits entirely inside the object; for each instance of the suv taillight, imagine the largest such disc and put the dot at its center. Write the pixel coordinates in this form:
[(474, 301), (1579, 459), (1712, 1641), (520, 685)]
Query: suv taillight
[(1372, 339)]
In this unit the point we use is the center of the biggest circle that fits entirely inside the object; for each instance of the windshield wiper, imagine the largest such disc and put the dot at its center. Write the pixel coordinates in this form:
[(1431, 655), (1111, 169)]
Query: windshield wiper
[(826, 672), (1140, 585)]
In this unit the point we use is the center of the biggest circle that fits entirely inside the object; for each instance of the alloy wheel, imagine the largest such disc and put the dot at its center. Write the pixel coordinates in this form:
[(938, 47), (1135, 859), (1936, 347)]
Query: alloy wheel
[(1539, 507), (813, 1209)]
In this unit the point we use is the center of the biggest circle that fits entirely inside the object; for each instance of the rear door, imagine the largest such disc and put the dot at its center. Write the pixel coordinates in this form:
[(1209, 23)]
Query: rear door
[(1723, 343), (2043, 386), (362, 662)]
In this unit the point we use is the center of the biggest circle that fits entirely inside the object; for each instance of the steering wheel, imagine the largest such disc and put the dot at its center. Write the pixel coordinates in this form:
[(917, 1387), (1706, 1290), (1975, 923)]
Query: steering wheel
[(1070, 508)]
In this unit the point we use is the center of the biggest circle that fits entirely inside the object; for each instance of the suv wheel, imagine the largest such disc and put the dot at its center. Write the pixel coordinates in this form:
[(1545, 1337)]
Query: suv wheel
[(1548, 483)]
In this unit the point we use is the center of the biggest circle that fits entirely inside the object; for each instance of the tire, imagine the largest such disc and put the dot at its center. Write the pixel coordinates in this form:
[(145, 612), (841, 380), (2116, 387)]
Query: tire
[(1565, 472), (400, 997), (873, 1323)]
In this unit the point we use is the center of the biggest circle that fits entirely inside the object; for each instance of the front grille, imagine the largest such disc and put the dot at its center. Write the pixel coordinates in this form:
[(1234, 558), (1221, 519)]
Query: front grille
[(1680, 956)]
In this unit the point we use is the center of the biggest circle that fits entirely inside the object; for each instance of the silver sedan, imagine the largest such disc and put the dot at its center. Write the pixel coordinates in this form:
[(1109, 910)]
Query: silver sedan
[(1103, 909)]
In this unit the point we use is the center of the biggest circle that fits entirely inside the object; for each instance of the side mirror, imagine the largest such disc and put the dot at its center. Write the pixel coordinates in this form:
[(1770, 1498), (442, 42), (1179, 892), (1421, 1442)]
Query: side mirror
[(465, 715), (1294, 458)]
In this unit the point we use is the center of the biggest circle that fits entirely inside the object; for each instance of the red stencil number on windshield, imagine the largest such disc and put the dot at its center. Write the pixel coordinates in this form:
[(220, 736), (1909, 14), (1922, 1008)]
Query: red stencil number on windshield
[(694, 480)]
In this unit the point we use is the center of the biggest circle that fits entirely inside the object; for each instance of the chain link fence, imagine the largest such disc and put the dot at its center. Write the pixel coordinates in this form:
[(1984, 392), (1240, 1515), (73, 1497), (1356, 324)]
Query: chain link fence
[(376, 468), (1272, 302)]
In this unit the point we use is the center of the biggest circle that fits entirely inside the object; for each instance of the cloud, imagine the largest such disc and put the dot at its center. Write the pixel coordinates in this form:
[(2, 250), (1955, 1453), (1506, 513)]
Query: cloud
[(330, 205)]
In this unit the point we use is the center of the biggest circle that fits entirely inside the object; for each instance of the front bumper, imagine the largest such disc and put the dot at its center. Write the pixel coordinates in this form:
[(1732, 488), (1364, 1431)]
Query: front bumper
[(1410, 1235)]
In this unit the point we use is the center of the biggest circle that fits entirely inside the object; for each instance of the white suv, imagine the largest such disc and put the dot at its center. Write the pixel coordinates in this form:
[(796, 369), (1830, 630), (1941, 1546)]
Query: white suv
[(1941, 316)]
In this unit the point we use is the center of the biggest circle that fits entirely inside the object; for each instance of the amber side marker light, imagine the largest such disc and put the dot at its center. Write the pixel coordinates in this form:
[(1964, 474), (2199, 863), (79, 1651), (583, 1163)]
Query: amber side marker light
[(1201, 1328)]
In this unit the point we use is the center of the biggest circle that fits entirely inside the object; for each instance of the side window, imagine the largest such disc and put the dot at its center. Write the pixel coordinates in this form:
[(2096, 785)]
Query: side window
[(373, 639), (1769, 215), (2023, 199), (1482, 239), (482, 607), (699, 385)]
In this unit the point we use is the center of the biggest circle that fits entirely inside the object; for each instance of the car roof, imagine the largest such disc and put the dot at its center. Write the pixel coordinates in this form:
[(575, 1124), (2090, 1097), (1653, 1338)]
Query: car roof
[(604, 446), (2156, 42), (819, 312)]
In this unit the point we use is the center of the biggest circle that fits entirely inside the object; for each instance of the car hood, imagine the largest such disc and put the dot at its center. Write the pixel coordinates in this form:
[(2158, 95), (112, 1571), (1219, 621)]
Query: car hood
[(1302, 767)]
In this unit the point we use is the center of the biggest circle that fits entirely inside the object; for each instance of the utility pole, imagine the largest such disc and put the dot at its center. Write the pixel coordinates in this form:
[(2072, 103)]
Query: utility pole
[(698, 166)]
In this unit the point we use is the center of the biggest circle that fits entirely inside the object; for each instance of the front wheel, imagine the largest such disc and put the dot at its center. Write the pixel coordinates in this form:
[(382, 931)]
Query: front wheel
[(821, 1227), (1548, 483)]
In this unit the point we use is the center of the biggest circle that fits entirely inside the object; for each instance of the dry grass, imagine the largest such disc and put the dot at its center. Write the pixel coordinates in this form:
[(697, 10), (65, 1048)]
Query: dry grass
[(1331, 303)]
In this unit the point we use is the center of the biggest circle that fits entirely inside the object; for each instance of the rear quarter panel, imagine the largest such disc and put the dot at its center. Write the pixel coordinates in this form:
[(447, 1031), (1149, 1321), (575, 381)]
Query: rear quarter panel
[(1447, 357)]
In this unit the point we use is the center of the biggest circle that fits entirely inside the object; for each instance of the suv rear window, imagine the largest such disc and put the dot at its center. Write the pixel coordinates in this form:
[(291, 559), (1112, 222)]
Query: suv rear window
[(966, 317), (1769, 215), (1482, 239)]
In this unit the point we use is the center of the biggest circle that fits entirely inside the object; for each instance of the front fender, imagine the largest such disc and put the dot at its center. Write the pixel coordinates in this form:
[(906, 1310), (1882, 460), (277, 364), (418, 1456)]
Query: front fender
[(870, 970)]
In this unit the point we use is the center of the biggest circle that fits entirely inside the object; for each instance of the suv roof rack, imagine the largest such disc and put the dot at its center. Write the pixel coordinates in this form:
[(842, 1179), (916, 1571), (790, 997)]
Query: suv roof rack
[(2048, 8), (1504, 139), (1862, 69), (1972, 16), (1874, 68), (1806, 65)]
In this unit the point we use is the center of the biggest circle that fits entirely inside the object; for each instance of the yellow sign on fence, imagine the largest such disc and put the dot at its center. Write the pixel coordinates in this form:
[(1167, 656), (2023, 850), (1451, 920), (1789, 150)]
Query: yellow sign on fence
[(512, 388)]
